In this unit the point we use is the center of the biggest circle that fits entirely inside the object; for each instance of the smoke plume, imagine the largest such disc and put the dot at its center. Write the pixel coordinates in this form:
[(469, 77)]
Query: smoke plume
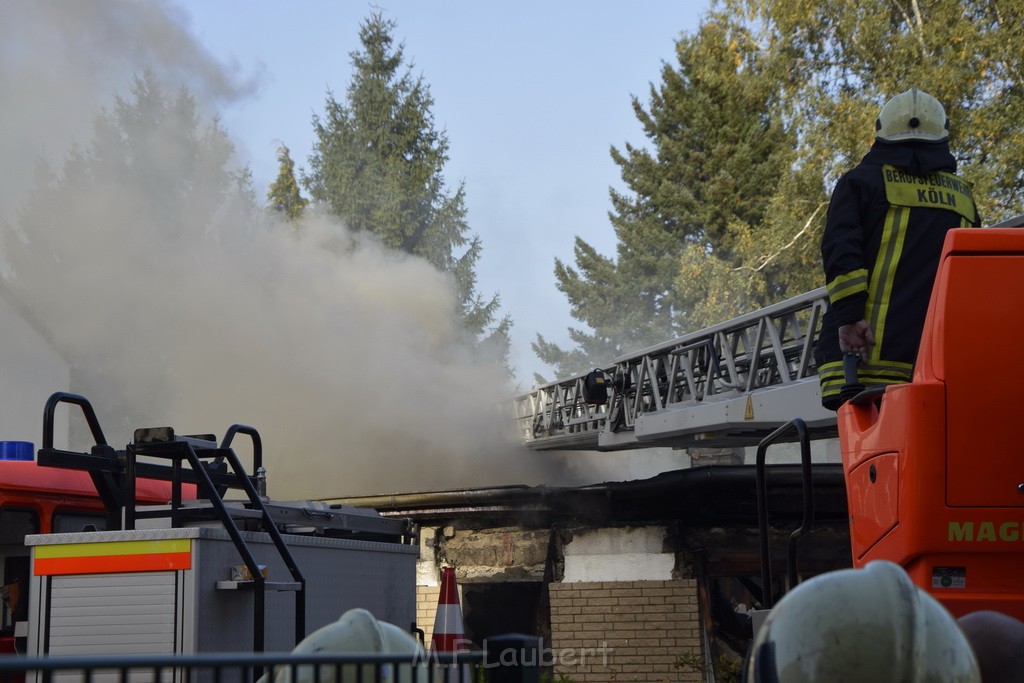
[(178, 307)]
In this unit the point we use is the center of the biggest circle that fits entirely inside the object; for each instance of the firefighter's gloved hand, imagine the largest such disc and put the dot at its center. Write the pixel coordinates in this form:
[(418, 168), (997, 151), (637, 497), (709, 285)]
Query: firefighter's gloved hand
[(857, 338)]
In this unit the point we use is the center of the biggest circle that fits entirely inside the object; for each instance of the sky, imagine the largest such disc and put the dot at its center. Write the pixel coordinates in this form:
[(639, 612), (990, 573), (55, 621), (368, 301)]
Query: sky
[(532, 95)]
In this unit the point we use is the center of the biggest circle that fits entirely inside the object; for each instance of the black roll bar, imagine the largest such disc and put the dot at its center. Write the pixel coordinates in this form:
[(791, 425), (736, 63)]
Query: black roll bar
[(762, 507)]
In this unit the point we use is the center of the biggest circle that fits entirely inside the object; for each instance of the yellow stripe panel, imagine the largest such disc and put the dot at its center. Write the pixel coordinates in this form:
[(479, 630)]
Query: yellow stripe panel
[(103, 549)]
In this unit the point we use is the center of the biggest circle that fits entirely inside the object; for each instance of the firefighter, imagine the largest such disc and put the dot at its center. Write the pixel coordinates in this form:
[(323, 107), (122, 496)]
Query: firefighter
[(870, 625), (886, 223)]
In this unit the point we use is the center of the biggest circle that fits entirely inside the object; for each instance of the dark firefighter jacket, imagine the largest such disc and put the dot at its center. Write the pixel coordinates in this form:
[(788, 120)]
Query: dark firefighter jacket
[(886, 223)]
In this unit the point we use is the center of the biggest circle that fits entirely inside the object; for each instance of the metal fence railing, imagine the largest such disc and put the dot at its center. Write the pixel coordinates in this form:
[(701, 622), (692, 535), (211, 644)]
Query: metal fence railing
[(463, 667)]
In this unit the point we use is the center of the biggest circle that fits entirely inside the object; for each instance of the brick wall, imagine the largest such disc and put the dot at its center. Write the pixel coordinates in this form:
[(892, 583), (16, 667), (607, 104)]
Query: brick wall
[(426, 609), (624, 630)]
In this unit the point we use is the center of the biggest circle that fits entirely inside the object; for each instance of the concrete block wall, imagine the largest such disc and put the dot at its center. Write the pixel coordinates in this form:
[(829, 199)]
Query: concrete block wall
[(624, 630)]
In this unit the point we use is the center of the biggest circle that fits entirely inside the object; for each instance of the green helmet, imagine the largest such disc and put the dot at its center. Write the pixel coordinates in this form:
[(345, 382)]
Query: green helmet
[(912, 115), (870, 625)]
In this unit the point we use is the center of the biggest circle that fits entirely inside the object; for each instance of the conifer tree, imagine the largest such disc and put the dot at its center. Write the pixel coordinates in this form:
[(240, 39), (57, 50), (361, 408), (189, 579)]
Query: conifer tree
[(284, 195), (714, 154), (378, 163)]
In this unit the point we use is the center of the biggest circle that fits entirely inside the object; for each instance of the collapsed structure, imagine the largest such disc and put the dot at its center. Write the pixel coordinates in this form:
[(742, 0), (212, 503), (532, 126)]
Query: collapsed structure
[(632, 580)]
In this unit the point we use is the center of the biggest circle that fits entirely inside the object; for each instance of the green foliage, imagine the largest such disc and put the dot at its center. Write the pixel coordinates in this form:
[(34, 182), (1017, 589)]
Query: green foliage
[(768, 103), (726, 669), (378, 164), (554, 677), (284, 195), (841, 61)]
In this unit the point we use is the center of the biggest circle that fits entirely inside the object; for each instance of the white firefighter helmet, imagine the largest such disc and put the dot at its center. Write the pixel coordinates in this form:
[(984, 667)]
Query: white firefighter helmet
[(356, 631), (872, 625), (912, 115)]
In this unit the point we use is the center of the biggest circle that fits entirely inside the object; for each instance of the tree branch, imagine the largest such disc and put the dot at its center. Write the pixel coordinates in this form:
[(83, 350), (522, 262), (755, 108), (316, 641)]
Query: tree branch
[(765, 260), (910, 24)]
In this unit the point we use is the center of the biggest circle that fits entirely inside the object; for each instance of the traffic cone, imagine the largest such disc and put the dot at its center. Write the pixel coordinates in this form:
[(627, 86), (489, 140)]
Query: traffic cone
[(449, 634)]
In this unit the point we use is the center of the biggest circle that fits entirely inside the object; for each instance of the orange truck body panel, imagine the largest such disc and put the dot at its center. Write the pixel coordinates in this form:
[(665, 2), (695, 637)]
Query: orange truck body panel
[(935, 470)]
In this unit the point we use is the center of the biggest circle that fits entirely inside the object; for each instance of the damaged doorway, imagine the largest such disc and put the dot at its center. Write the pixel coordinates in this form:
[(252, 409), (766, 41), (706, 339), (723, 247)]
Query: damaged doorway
[(493, 609)]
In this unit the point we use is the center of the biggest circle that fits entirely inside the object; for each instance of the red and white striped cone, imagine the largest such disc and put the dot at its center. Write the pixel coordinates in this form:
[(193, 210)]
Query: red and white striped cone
[(449, 633)]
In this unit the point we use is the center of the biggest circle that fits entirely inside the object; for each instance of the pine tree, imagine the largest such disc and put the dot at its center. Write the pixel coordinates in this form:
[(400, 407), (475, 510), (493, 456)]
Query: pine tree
[(378, 164), (284, 195), (714, 155)]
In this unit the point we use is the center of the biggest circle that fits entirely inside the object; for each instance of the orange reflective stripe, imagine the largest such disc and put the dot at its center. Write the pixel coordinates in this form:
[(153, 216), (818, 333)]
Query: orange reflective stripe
[(108, 564), (108, 557)]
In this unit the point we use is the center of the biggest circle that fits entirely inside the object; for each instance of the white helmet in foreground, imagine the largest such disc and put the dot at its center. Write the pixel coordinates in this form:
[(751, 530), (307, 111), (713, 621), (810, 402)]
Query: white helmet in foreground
[(357, 631), (872, 625), (912, 115)]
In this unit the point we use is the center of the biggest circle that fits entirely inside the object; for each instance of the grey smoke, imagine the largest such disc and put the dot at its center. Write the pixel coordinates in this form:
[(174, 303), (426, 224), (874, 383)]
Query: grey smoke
[(345, 359), (60, 61)]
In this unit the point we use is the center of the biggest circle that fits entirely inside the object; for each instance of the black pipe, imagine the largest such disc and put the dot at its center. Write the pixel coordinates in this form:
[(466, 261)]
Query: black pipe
[(808, 496)]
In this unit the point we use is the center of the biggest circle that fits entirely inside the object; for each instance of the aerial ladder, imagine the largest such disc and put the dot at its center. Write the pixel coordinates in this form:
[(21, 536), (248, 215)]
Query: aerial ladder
[(727, 385)]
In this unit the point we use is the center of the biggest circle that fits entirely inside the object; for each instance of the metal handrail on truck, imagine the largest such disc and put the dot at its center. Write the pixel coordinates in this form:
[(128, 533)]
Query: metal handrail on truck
[(115, 474), (807, 486)]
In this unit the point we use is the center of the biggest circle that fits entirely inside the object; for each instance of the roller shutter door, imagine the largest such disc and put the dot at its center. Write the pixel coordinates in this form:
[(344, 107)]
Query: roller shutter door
[(113, 614)]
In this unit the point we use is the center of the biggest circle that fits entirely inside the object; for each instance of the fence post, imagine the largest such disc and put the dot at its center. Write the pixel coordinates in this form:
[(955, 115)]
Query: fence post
[(513, 658)]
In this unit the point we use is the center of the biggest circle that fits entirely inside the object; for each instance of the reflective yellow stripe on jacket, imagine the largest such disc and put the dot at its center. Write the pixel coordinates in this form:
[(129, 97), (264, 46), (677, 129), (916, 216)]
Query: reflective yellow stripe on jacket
[(875, 373), (894, 231), (847, 284)]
